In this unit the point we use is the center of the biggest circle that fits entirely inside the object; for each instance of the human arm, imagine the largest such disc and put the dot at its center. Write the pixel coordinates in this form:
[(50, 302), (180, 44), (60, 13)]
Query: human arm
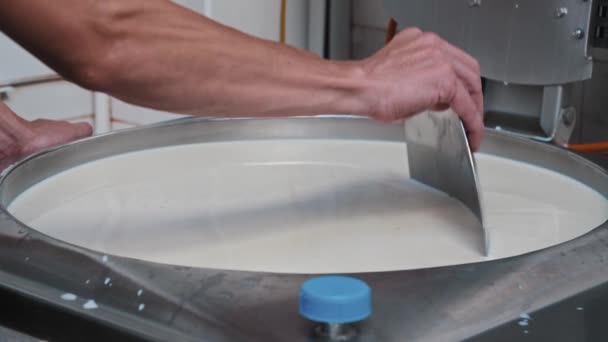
[(157, 54)]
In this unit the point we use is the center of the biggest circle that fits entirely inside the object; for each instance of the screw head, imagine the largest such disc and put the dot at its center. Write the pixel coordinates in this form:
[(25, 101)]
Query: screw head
[(474, 3), (561, 12), (568, 118), (579, 33)]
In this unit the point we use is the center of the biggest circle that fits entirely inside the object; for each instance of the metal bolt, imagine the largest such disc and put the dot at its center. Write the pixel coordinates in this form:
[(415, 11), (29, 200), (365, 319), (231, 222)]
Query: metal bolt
[(568, 117), (474, 3), (579, 33), (561, 12), (566, 120)]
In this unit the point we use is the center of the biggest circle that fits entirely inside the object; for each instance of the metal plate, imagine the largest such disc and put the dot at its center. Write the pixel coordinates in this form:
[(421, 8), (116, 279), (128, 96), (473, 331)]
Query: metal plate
[(440, 157)]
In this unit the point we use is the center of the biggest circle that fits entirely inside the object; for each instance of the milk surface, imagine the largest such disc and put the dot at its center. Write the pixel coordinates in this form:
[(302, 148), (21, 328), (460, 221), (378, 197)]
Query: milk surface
[(301, 206)]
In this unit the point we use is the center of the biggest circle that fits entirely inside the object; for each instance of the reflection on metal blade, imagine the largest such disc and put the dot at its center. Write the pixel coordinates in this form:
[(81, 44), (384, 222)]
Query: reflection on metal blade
[(440, 157)]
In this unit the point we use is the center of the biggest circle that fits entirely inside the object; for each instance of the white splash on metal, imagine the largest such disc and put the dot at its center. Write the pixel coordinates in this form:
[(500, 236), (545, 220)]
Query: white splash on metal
[(69, 296), (90, 305)]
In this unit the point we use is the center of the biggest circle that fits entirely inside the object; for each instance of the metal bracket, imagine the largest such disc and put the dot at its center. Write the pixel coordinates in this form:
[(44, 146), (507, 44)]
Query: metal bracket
[(562, 131)]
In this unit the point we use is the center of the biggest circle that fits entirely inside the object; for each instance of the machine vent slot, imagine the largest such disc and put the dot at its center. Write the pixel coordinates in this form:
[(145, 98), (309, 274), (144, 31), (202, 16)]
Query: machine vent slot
[(601, 11), (599, 21)]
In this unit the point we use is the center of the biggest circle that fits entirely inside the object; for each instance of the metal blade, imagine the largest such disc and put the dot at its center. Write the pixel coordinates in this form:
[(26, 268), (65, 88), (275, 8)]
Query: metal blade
[(439, 156)]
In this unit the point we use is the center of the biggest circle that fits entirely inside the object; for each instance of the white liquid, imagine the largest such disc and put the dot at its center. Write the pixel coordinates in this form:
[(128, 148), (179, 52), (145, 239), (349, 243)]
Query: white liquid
[(301, 207)]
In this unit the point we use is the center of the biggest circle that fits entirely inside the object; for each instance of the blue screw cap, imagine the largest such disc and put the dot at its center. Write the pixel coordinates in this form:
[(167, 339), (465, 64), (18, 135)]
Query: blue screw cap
[(335, 299)]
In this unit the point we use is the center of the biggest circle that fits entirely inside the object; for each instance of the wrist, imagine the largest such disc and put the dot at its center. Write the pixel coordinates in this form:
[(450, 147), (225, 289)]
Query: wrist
[(359, 90)]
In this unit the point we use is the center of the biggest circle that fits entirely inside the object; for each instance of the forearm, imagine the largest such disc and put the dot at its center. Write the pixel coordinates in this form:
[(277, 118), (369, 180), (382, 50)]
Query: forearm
[(157, 54), (197, 66)]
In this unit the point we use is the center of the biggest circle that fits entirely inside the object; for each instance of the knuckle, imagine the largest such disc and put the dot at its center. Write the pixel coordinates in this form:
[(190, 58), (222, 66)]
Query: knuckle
[(408, 35), (447, 71), (446, 89), (432, 39), (478, 89), (413, 30)]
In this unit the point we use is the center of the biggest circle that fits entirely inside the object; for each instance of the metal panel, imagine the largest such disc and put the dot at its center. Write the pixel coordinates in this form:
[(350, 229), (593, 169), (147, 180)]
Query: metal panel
[(523, 42), (513, 99)]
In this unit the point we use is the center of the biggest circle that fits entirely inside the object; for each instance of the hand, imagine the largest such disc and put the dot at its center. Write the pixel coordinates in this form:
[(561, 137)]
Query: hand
[(19, 137), (48, 133), (419, 71)]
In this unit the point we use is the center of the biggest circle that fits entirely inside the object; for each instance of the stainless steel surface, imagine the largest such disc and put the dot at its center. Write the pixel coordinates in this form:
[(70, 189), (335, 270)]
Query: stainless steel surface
[(560, 134), (8, 335), (515, 41), (186, 304), (552, 104), (440, 157)]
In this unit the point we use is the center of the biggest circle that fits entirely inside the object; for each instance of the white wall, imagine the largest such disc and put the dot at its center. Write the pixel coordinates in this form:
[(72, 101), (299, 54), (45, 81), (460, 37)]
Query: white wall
[(17, 65)]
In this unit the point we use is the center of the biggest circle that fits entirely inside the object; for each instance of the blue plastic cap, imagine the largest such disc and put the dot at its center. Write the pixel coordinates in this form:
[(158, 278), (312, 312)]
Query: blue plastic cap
[(335, 299)]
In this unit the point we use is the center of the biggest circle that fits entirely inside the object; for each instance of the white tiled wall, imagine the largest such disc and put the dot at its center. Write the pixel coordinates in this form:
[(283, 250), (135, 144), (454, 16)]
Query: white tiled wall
[(17, 65), (134, 115), (52, 100), (55, 100)]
